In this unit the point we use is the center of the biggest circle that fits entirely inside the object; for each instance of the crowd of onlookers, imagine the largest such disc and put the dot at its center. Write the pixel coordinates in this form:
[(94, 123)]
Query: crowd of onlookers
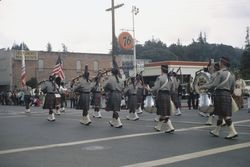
[(16, 98)]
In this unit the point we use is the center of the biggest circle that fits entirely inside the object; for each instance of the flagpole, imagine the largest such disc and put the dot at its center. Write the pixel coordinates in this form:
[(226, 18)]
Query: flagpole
[(23, 72)]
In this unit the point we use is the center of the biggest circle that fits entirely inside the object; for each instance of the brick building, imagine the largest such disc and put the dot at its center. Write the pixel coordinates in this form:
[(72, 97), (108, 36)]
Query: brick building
[(39, 64)]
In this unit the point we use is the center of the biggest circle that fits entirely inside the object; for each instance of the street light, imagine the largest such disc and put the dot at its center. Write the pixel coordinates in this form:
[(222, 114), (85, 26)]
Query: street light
[(135, 11)]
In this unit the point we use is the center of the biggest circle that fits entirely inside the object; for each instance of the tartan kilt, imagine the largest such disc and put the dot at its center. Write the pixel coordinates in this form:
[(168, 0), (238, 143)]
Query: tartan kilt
[(139, 95), (163, 104), (83, 102), (50, 101), (96, 99), (113, 101), (132, 102), (222, 103)]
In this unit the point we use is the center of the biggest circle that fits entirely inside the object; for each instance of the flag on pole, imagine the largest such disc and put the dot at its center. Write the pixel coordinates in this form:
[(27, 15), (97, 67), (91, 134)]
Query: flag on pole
[(57, 70), (23, 72)]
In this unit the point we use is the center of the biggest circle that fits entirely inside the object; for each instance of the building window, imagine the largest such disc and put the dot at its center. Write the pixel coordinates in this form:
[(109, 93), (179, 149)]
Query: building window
[(40, 65), (96, 66), (78, 66)]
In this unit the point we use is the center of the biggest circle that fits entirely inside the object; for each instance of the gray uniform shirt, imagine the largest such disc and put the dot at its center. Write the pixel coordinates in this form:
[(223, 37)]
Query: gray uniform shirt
[(49, 87), (112, 85), (82, 86), (130, 90), (160, 81), (219, 77)]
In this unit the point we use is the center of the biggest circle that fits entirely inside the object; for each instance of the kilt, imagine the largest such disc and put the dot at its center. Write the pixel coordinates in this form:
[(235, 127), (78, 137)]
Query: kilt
[(139, 95), (132, 102), (163, 104), (96, 99), (222, 103), (50, 101), (113, 101), (83, 102)]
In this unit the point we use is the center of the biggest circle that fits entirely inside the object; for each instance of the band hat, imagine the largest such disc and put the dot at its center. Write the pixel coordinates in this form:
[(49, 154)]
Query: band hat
[(86, 71), (216, 66), (225, 61), (164, 67)]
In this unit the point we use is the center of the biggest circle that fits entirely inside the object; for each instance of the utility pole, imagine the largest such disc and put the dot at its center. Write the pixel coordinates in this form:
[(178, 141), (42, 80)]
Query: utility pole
[(112, 9), (135, 11)]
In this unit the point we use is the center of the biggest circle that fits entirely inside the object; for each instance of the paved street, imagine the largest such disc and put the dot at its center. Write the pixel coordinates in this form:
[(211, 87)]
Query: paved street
[(29, 140)]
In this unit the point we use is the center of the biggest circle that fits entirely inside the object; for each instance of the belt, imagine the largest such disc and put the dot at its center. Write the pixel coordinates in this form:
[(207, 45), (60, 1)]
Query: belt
[(222, 90), (164, 91), (85, 92)]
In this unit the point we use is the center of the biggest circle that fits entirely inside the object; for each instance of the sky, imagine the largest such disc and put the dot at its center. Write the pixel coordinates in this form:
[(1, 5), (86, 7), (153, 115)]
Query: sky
[(85, 26)]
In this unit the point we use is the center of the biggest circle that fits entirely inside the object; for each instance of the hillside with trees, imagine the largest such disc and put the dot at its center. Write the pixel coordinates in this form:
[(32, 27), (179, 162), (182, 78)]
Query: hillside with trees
[(198, 50)]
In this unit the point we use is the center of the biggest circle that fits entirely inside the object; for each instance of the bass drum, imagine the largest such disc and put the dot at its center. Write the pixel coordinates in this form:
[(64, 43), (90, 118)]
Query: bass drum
[(200, 79), (149, 104)]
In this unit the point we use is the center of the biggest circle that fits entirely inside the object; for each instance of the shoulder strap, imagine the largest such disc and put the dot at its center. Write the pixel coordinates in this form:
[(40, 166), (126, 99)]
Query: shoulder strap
[(222, 83)]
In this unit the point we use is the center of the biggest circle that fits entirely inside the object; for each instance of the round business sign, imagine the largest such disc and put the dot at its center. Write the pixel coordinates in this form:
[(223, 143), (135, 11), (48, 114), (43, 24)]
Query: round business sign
[(125, 41)]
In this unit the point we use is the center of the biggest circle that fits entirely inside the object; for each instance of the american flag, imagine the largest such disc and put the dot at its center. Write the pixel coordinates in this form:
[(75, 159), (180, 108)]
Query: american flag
[(23, 72), (57, 70)]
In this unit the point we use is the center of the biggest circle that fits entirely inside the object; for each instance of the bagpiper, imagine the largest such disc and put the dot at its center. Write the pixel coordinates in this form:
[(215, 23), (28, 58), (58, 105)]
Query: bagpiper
[(161, 88), (131, 92), (113, 87), (223, 85), (49, 88), (83, 87)]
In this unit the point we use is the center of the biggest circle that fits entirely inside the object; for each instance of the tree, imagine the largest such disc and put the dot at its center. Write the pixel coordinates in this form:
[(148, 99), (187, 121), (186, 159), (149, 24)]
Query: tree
[(65, 49), (247, 39), (49, 47), (19, 47), (245, 58)]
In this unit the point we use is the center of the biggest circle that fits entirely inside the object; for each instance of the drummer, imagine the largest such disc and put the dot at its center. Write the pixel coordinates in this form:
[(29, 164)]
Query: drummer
[(213, 70), (161, 88), (223, 85)]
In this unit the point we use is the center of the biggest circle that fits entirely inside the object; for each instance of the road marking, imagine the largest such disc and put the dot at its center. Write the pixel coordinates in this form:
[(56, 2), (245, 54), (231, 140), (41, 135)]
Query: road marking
[(9, 151), (189, 156), (89, 141)]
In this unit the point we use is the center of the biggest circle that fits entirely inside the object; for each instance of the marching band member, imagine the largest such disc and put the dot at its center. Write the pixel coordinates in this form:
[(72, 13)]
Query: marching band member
[(223, 84), (62, 91), (113, 88), (139, 93), (27, 97), (49, 88), (58, 95), (131, 92), (96, 91), (84, 88), (174, 93), (213, 70), (161, 88)]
